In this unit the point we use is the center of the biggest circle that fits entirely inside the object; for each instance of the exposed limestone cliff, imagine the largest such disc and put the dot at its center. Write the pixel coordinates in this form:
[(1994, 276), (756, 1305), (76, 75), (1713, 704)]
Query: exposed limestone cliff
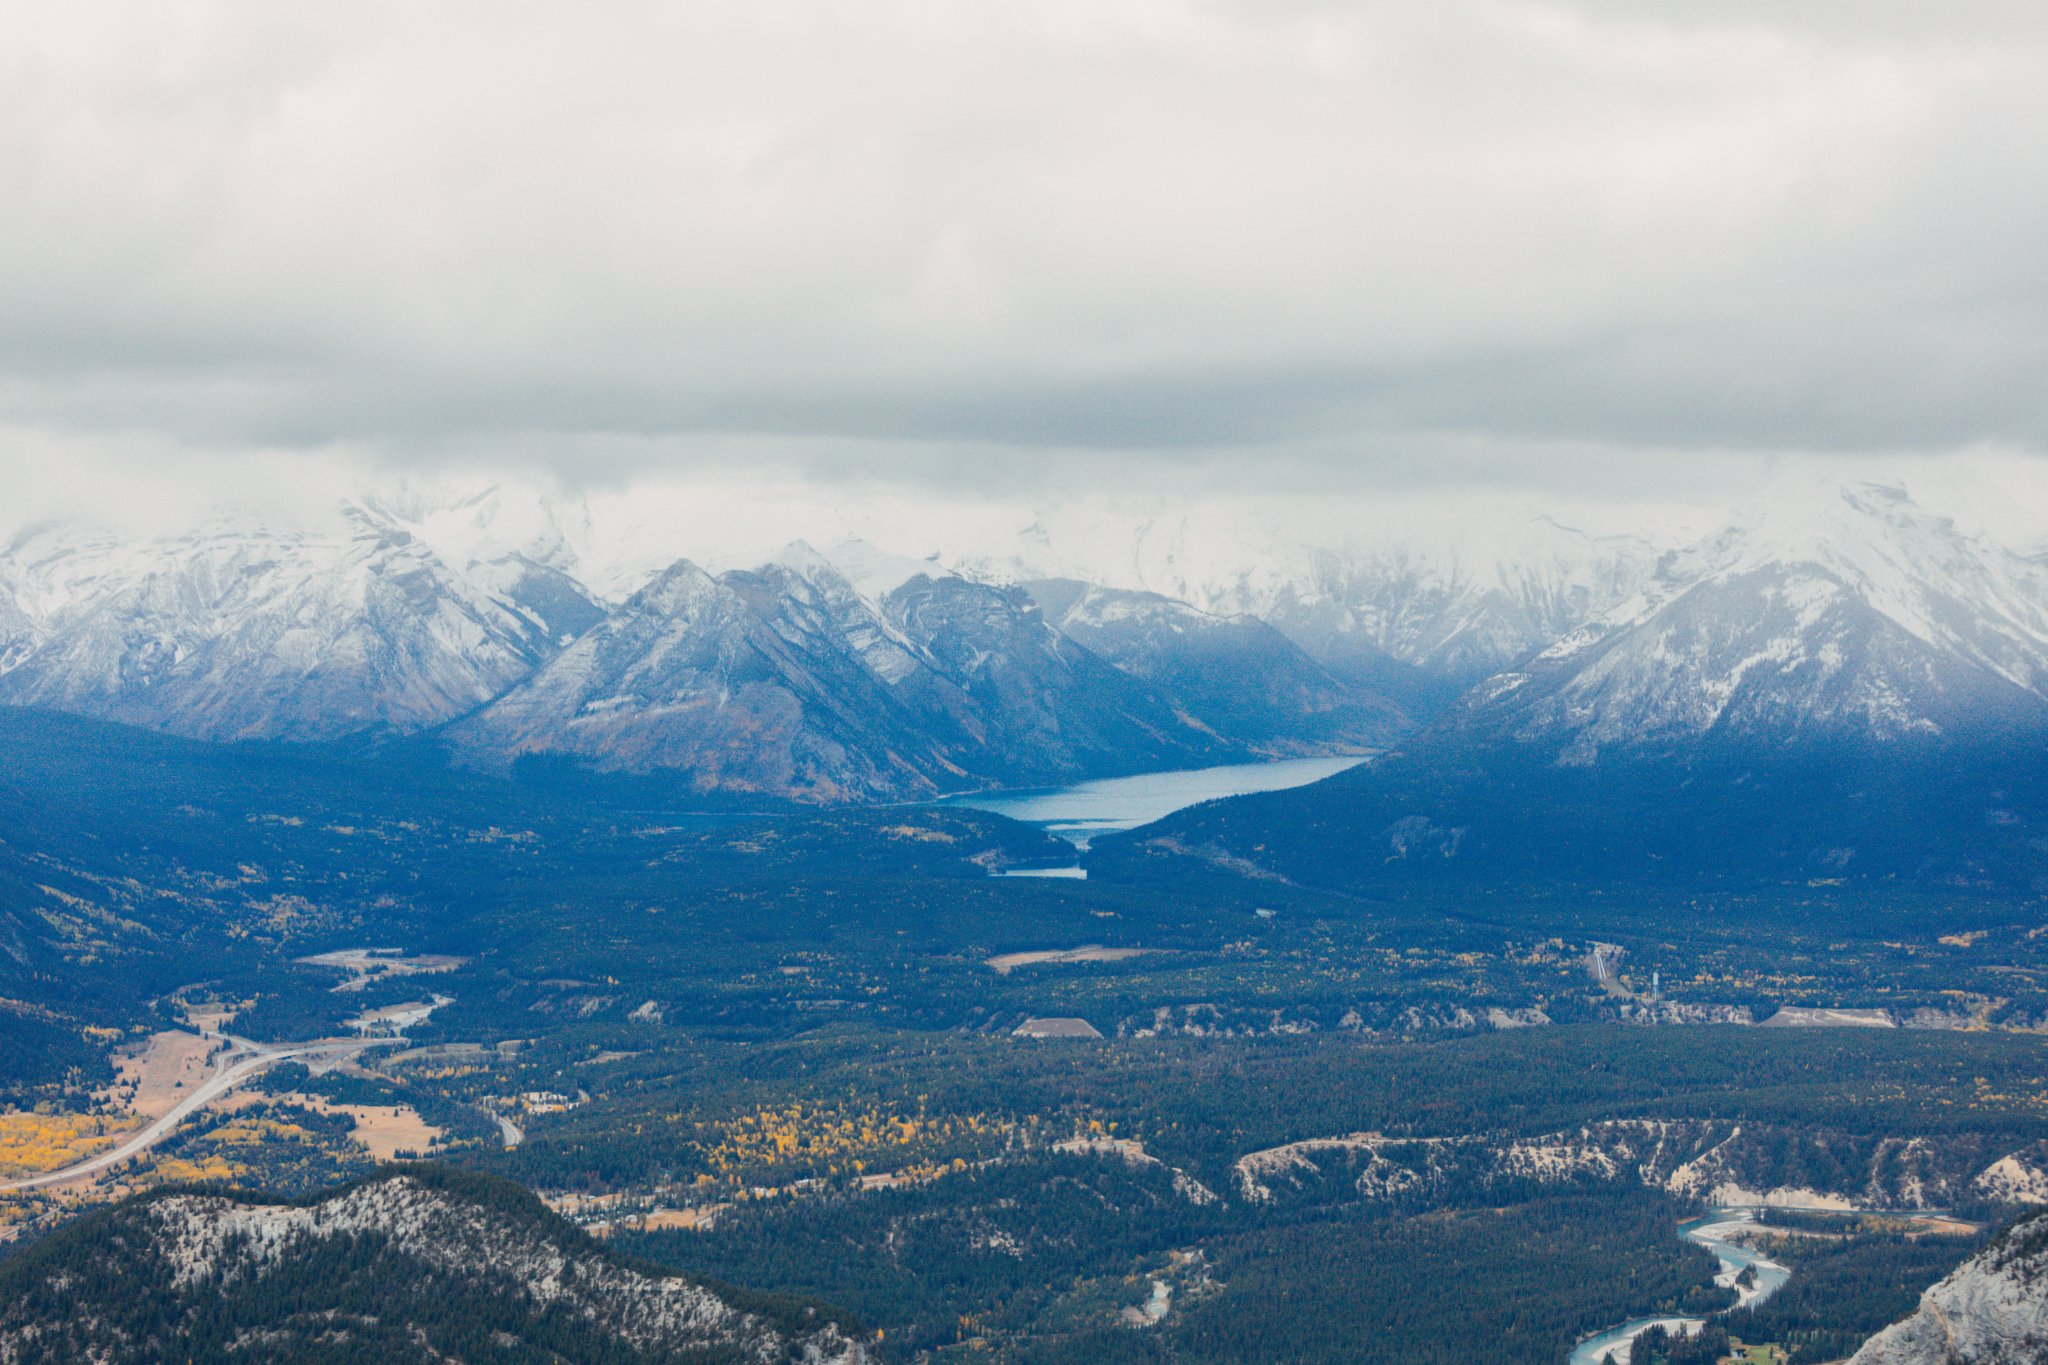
[(1993, 1310), (2021, 1178), (1706, 1160)]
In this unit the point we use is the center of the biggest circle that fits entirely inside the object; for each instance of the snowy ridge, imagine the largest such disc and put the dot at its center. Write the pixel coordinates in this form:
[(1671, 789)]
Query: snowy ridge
[(1950, 591), (875, 573), (471, 526), (188, 1254), (242, 630)]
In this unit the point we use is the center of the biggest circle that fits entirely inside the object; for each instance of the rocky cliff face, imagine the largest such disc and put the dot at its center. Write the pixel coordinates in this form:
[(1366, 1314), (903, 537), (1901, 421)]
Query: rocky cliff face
[(1993, 1310), (399, 1267), (1693, 1159)]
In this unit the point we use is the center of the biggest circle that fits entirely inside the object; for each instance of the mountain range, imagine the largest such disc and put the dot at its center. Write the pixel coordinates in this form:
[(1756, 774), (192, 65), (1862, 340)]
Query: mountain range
[(503, 628)]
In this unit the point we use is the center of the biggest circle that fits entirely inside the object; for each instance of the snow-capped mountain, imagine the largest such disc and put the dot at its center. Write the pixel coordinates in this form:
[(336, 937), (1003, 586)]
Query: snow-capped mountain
[(240, 630), (855, 673), (900, 682), (1822, 613), (1456, 615), (1836, 683)]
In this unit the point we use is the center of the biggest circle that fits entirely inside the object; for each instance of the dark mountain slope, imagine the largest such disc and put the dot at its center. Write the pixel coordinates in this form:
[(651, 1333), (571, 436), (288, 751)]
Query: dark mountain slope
[(1237, 674), (1967, 818)]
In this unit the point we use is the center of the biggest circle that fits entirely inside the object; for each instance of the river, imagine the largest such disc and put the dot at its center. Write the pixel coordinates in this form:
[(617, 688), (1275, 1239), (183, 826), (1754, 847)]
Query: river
[(1086, 809), (1769, 1276)]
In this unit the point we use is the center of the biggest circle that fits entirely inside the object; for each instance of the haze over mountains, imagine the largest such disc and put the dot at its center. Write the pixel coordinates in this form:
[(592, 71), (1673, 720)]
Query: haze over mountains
[(509, 626)]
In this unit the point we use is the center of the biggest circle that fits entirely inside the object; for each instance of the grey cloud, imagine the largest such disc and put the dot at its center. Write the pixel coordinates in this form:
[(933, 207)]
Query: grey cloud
[(902, 231)]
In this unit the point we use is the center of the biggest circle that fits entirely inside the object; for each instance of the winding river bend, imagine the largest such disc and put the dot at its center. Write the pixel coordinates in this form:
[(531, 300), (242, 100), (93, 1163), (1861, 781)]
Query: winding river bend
[(1708, 1232)]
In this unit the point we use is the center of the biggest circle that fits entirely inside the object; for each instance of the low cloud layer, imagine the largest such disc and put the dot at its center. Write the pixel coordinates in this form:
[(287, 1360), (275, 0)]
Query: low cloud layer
[(954, 245)]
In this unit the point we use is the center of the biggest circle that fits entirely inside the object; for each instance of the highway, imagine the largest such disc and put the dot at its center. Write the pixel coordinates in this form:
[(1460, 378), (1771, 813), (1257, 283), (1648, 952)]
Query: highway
[(243, 1059)]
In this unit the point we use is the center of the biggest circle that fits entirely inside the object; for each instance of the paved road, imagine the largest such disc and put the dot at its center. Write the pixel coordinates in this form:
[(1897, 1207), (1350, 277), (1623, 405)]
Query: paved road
[(242, 1059), (509, 1131)]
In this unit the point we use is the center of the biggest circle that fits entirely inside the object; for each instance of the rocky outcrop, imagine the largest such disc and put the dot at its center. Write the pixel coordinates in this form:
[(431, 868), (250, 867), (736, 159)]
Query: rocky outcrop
[(2021, 1178), (1694, 1159), (1379, 1017), (1213, 1021), (1993, 1310), (1928, 1017), (1671, 1012)]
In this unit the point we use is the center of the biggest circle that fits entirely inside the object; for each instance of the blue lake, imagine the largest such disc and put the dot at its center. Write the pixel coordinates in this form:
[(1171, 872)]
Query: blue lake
[(1080, 812)]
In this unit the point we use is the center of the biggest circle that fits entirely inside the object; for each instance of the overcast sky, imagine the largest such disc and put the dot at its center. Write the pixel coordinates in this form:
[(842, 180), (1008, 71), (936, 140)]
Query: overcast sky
[(990, 248)]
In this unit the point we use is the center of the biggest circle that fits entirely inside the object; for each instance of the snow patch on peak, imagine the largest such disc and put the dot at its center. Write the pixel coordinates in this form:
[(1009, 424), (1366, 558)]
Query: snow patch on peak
[(876, 573), (801, 558)]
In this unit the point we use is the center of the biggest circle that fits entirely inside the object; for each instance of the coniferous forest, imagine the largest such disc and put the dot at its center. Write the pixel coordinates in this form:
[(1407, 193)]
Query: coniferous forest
[(777, 1051)]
